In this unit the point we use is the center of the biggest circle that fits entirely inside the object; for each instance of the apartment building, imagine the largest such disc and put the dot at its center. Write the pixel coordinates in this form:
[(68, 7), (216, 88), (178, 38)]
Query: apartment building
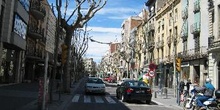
[(13, 28), (195, 41), (127, 40), (36, 39), (213, 41), (167, 40)]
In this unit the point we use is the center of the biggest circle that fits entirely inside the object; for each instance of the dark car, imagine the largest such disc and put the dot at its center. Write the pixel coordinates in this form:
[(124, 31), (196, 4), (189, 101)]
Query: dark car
[(134, 90)]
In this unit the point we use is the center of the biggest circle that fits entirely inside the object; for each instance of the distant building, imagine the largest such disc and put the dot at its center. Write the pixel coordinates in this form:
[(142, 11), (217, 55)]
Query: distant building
[(90, 65)]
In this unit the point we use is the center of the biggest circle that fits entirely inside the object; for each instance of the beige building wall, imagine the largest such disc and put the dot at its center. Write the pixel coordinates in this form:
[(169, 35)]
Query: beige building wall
[(167, 28)]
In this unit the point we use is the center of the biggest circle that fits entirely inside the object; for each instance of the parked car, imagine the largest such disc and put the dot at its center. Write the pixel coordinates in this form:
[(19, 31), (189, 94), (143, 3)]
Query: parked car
[(134, 90), (112, 79), (105, 78), (95, 85), (121, 81)]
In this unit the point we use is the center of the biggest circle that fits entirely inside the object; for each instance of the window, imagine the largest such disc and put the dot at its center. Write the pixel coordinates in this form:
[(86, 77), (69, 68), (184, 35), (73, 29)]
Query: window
[(20, 27)]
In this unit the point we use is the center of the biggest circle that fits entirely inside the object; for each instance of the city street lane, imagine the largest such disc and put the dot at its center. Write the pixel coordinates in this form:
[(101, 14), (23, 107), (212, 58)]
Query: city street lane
[(81, 101)]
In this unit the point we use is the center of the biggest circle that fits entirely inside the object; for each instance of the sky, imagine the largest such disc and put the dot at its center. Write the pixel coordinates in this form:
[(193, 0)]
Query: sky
[(105, 26)]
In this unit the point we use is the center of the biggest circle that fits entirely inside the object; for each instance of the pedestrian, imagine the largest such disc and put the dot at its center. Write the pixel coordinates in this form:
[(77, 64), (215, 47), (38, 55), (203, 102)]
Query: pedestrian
[(188, 83), (181, 86)]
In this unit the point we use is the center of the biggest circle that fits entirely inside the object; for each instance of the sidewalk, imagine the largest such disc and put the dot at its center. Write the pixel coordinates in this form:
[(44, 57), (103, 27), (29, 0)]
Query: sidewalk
[(168, 101), (57, 104)]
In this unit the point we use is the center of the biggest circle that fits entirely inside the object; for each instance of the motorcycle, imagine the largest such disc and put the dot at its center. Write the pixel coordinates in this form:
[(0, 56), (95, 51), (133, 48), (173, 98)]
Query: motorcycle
[(210, 104), (213, 103)]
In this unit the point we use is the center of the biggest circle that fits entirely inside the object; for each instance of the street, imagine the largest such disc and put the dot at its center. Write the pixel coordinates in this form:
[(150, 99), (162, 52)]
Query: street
[(81, 101), (24, 96)]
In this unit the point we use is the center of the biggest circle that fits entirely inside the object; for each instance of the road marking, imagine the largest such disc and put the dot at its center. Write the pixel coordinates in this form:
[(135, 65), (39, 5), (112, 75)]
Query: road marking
[(87, 99), (98, 99), (109, 99), (76, 98)]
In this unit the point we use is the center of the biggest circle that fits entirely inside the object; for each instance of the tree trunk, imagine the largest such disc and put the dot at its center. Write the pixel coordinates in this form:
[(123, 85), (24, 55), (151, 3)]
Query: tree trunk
[(66, 81)]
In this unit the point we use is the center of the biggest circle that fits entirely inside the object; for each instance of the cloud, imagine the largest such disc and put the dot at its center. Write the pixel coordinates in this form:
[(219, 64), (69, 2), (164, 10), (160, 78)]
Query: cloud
[(104, 29), (117, 10)]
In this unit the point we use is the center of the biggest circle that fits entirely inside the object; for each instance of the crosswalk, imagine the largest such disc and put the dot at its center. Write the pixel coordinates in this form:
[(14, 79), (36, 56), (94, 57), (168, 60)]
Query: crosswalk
[(81, 98)]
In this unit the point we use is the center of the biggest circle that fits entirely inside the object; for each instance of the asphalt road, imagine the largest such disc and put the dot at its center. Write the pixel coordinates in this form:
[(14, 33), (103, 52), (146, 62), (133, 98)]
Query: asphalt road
[(81, 101)]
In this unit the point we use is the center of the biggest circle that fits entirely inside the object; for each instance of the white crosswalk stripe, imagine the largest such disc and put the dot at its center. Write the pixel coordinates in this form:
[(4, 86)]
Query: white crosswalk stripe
[(98, 99), (109, 99), (87, 99), (76, 98), (79, 98)]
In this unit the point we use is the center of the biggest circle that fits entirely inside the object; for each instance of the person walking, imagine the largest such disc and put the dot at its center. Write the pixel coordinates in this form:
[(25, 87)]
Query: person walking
[(188, 83)]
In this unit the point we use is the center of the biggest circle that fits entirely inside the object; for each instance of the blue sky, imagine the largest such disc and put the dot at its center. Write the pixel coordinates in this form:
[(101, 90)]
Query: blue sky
[(106, 24)]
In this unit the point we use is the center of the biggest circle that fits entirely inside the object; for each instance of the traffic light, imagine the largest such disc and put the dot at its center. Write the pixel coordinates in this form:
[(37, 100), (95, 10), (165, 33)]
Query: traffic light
[(178, 64), (64, 53)]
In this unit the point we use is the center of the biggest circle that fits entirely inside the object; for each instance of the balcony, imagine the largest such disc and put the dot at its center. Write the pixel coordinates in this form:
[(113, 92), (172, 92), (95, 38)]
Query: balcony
[(169, 39), (214, 45), (196, 6), (151, 45), (195, 53), (160, 44), (34, 53), (151, 27), (195, 28), (185, 13), (35, 32), (37, 10)]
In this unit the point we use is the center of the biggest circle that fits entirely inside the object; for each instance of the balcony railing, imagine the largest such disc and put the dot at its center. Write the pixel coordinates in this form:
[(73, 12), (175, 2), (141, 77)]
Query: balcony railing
[(34, 53), (160, 44), (185, 13), (195, 28), (37, 9), (151, 45), (151, 27), (214, 45), (195, 53), (35, 32), (196, 6), (169, 39)]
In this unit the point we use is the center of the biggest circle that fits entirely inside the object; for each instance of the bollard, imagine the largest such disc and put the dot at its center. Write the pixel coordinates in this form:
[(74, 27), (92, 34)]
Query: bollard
[(155, 94), (166, 91)]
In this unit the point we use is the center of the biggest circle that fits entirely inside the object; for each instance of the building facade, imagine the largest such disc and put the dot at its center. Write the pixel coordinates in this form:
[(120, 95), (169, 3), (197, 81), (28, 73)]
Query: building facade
[(213, 42), (14, 23)]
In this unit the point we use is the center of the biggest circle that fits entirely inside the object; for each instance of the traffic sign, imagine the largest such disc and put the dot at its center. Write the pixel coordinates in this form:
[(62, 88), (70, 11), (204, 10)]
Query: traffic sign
[(151, 73)]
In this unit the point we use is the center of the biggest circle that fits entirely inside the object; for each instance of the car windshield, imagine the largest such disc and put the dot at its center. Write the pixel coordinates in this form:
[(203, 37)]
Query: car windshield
[(137, 84), (95, 80)]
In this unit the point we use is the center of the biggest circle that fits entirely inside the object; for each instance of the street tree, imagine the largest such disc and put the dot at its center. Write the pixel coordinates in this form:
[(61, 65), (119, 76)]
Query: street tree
[(77, 19), (79, 48)]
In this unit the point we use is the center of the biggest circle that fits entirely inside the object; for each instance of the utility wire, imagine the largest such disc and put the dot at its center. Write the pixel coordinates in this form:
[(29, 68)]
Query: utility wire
[(92, 40)]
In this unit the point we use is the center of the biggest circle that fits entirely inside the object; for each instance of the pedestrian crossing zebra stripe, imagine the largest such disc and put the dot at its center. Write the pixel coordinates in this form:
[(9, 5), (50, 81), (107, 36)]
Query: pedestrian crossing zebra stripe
[(76, 98), (87, 99), (96, 99), (109, 99)]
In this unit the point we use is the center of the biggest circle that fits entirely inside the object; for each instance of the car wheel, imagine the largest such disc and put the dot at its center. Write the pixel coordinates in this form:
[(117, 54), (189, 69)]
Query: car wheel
[(148, 101), (123, 99)]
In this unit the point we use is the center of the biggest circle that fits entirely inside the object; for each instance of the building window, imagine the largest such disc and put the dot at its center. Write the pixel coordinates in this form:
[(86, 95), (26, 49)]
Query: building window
[(20, 27)]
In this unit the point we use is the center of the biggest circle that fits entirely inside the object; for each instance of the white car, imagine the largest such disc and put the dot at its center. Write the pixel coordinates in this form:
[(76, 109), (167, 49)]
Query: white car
[(95, 85)]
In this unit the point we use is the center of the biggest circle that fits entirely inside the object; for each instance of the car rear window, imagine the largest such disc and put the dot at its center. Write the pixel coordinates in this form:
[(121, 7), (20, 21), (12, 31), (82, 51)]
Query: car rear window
[(94, 80), (137, 84)]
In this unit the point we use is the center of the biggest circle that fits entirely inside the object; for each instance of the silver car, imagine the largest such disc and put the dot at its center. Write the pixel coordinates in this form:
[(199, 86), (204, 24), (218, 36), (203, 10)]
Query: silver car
[(95, 85)]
